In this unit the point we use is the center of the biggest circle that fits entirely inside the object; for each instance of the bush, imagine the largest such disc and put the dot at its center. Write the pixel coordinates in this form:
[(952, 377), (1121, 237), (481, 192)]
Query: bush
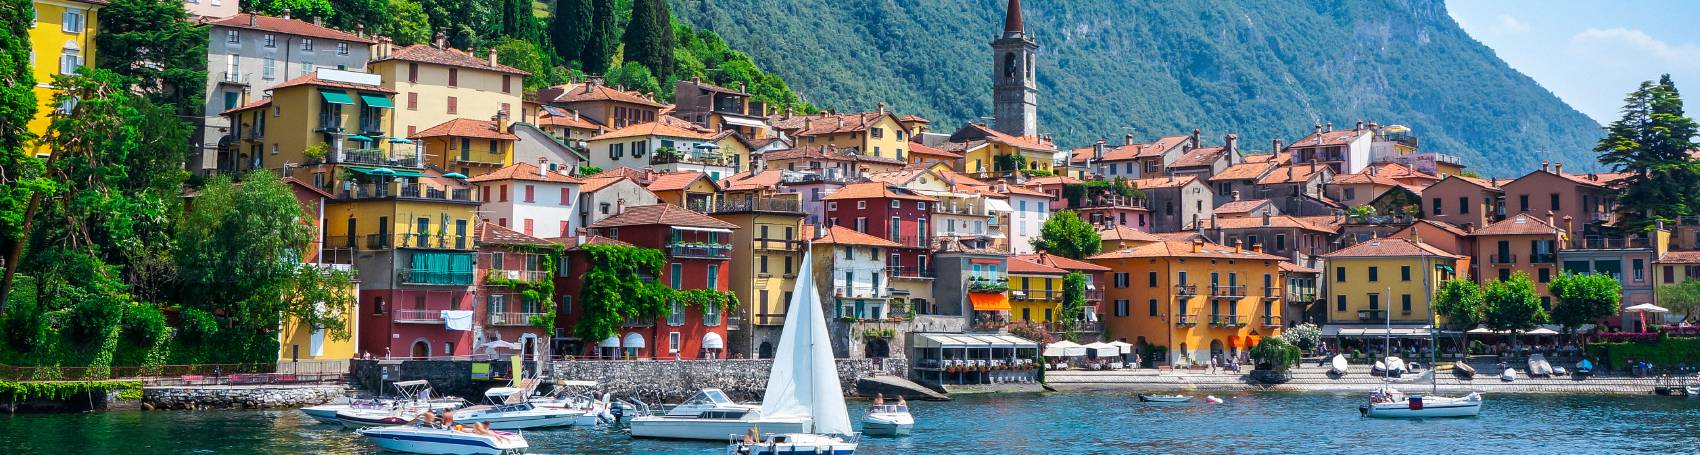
[(144, 324), (1305, 336), (198, 325), (1662, 353)]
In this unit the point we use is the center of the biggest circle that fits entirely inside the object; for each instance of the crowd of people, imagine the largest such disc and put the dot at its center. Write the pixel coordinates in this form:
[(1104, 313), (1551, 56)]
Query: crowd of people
[(430, 419)]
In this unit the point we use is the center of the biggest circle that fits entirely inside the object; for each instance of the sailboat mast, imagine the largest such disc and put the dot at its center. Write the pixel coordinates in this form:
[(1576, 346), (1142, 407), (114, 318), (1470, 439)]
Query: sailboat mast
[(1433, 345)]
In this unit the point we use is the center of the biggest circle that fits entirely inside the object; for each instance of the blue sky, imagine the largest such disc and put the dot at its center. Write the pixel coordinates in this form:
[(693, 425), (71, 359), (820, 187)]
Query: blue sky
[(1591, 53)]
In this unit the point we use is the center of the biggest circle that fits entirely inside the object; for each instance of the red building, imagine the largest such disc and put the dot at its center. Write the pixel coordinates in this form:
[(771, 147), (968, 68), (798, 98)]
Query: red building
[(698, 251), (502, 312), (888, 212)]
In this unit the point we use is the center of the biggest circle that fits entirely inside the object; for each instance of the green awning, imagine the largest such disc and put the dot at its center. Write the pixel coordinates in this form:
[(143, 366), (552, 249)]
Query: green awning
[(379, 101), (358, 137), (336, 97), (399, 140), (392, 173)]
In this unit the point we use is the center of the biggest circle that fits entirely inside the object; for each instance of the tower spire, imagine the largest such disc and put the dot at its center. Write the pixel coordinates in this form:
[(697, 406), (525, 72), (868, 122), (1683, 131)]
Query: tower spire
[(1012, 18)]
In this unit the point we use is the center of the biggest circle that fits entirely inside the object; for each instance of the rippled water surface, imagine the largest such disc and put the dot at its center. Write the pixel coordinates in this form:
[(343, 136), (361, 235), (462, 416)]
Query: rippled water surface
[(1095, 422)]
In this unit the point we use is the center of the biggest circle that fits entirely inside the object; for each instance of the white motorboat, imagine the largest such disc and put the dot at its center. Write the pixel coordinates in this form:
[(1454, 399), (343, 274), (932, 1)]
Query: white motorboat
[(1338, 365), (508, 410), (1391, 403), (587, 410), (1539, 367), (326, 413), (1149, 398), (888, 420), (711, 415), (802, 384), (438, 441), (416, 399)]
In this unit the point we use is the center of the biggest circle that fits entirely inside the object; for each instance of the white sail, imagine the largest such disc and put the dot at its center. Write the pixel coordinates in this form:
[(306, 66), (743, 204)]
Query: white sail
[(804, 378)]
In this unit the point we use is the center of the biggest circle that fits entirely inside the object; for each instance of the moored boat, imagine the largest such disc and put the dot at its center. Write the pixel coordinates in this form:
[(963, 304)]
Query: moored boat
[(1150, 398), (440, 441), (508, 410), (1391, 403), (888, 420), (794, 444), (1463, 369), (710, 415)]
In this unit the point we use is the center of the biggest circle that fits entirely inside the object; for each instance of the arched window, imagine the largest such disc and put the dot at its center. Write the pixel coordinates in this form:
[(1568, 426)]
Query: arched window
[(1010, 67)]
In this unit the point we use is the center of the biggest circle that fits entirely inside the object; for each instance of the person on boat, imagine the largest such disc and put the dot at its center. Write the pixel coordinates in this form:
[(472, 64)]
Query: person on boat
[(879, 399), (426, 419), (902, 405), (448, 418)]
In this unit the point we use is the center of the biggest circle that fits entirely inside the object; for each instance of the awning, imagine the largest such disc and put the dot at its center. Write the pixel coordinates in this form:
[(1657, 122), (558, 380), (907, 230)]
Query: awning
[(336, 97), (957, 340), (400, 140), (989, 302), (700, 229), (742, 121), (1064, 348), (613, 341), (1253, 340), (1234, 342), (712, 340), (998, 205), (633, 341), (378, 101), (1383, 332), (361, 138), (379, 171)]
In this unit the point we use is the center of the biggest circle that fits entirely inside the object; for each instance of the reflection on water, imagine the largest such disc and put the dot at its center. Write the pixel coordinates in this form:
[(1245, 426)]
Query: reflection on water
[(1099, 422)]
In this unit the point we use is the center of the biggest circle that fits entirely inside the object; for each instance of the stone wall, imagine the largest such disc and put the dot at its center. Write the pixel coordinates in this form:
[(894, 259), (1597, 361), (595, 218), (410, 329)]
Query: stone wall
[(245, 397), (447, 377), (674, 381)]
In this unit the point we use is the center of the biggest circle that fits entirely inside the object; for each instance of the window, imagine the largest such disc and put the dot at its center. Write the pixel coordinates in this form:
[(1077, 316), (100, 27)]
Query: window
[(1152, 307), (269, 40), (1339, 274), (70, 60), (1405, 304), (1121, 280), (1463, 206), (412, 72), (268, 69), (1151, 279), (1640, 269), (861, 204), (566, 304), (714, 276), (677, 277), (507, 83), (1373, 274), (502, 193), (1375, 301), (454, 77), (1405, 273), (1437, 210), (1280, 242), (72, 21), (1553, 199), (1544, 275), (1340, 303), (1504, 274), (1349, 193), (1523, 202), (232, 36), (341, 48), (676, 313), (454, 105), (530, 193), (412, 101), (711, 315), (1121, 308), (862, 224), (831, 206), (307, 44)]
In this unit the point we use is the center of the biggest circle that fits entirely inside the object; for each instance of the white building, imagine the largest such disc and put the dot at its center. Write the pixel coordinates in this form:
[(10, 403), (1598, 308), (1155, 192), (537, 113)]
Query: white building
[(667, 145), (529, 199), (1030, 209), (858, 287), (603, 197)]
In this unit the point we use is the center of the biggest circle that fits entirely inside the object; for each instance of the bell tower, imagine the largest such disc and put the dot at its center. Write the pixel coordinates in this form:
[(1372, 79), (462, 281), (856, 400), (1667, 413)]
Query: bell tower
[(1015, 90)]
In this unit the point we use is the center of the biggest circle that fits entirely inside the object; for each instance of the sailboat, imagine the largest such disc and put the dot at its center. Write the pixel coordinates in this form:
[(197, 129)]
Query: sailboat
[(1388, 402), (803, 383)]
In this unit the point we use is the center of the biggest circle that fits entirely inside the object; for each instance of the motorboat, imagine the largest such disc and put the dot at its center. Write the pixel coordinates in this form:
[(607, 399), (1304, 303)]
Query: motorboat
[(802, 384), (1338, 365), (587, 410), (508, 410), (1150, 398), (1584, 368), (1212, 399), (1391, 403), (1539, 367), (431, 440), (888, 420), (326, 413), (710, 415), (417, 399)]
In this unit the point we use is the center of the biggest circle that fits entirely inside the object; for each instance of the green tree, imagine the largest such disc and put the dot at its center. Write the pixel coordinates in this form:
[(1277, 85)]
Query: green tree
[(351, 14), (155, 43), (1274, 353), (619, 285), (20, 171), (598, 48), (1512, 304), (649, 37), (518, 20), (1461, 306), (1651, 142), (1681, 297), (570, 28), (1073, 297), (298, 9), (407, 23), (1065, 234), (1584, 298), (525, 55), (634, 76)]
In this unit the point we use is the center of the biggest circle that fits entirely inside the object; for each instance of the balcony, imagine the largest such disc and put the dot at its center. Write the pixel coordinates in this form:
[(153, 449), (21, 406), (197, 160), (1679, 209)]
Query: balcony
[(775, 205), (860, 292), (958, 209), (908, 272), (776, 245), (1543, 258), (1186, 291), (1036, 295), (1503, 259), (1186, 320), (700, 250), (234, 78), (405, 191), (910, 240), (1271, 321), (987, 286), (1227, 292), (1112, 201), (662, 156), (480, 159), (530, 276), (512, 319), (1094, 295), (1605, 243), (1231, 320), (1302, 296), (419, 316), (1272, 293), (436, 277), (1372, 315), (376, 157)]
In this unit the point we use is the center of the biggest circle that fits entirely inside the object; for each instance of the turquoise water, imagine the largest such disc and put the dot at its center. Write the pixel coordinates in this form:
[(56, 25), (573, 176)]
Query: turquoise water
[(1096, 422)]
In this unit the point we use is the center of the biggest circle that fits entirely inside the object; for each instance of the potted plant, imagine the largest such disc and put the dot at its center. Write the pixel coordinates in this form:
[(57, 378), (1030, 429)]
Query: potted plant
[(316, 153), (1273, 359)]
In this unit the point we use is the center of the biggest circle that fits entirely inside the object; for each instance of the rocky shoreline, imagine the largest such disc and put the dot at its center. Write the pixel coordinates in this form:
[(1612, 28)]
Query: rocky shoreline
[(239, 397)]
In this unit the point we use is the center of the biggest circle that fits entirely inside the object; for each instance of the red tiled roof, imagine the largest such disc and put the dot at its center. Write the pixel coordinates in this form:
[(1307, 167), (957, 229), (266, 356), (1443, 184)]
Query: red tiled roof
[(1184, 249), (286, 26), (313, 79), (1122, 232), (1680, 257), (261, 103), (1258, 157), (424, 53), (1290, 267), (1202, 156), (1336, 137), (1240, 207), (1053, 180), (593, 184), (913, 118), (745, 181), (825, 152), (1162, 182), (823, 123), (1060, 262), (1519, 224), (580, 122), (1243, 171), (917, 147), (492, 233), (656, 128), (524, 171), (461, 127), (571, 242), (840, 235), (1364, 178), (1393, 247), (1275, 221), (1292, 173), (1018, 265), (899, 177), (1131, 151), (662, 215), (1024, 191), (1024, 142), (593, 91), (869, 190), (674, 181)]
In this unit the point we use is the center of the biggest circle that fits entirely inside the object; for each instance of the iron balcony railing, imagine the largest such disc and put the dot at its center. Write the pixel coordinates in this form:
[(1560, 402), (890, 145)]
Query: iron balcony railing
[(1271, 321), (377, 157), (419, 316), (1503, 258), (511, 318), (779, 205), (1227, 292), (1543, 258), (1094, 295), (861, 292), (1227, 320), (532, 276), (1271, 293), (1186, 320), (1372, 315), (996, 285), (907, 272), (700, 250), (776, 245), (435, 277), (1608, 243), (1186, 290)]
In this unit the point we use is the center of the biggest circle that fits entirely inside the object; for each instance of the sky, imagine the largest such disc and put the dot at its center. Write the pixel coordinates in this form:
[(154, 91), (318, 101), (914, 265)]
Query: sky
[(1591, 53)]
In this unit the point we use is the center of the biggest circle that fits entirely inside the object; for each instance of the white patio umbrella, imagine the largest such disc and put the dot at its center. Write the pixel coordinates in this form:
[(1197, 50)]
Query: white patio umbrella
[(1542, 331), (499, 344), (1127, 348), (1643, 309), (1479, 331), (1065, 349), (1104, 349)]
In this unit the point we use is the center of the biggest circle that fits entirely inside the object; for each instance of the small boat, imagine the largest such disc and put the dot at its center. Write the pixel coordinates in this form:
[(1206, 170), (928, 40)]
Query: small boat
[(412, 391), (793, 444), (508, 410), (587, 410), (1584, 368), (439, 441), (1539, 367), (1338, 365), (1390, 403), (888, 420), (1463, 369), (710, 415), (1691, 390), (1149, 398), (1510, 374)]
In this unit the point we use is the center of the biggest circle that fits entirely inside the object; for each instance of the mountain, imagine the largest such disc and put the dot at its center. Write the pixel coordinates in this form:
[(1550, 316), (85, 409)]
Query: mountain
[(1263, 70)]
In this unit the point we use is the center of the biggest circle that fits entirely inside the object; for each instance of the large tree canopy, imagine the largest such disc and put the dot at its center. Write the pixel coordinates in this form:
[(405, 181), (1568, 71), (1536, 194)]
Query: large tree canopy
[(1065, 234), (1651, 142), (1584, 298)]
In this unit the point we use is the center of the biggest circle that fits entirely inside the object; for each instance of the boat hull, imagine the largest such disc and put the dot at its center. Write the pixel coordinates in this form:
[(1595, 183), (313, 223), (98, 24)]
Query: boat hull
[(888, 424), (324, 413), (710, 429), (518, 422), (1402, 410), (442, 442), (796, 444), (1163, 399)]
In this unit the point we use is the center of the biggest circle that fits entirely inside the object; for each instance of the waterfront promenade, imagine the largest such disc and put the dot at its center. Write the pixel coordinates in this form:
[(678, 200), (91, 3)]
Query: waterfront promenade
[(1310, 378)]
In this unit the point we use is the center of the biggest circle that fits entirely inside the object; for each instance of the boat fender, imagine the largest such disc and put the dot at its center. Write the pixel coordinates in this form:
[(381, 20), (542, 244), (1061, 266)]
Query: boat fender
[(1212, 399)]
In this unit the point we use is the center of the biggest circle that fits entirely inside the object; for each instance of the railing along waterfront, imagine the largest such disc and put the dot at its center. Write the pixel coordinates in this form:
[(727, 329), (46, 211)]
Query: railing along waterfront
[(284, 372)]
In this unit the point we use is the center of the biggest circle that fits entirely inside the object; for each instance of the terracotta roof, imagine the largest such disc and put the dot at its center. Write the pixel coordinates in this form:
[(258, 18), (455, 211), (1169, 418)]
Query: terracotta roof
[(899, 177), (1290, 267), (1054, 180), (593, 91), (261, 103), (580, 122), (1240, 207), (1364, 178), (1275, 221), (1445, 226), (823, 123), (825, 152), (492, 233), (1519, 224), (1400, 171), (313, 79), (917, 147), (1024, 191), (1243, 171), (1202, 156), (655, 128), (286, 26), (1680, 257), (1122, 232), (1483, 183), (1018, 265), (1025, 142), (869, 190), (913, 118), (572, 244), (662, 215), (461, 127), (1292, 173), (1393, 247), (674, 181), (1336, 137), (1162, 182), (1258, 157), (840, 235), (1182, 236), (1184, 249), (699, 84), (1130, 151), (424, 53), (625, 171), (526, 172), (744, 181), (1060, 262), (1598, 180), (593, 184)]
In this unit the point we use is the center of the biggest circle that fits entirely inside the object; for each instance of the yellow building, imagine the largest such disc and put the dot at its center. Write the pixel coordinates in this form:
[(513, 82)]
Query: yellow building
[(1382, 280), (1201, 301), (877, 134), (766, 257), (981, 146), (1035, 291), (689, 189), (435, 84), (314, 123), (298, 341), (469, 147), (61, 40)]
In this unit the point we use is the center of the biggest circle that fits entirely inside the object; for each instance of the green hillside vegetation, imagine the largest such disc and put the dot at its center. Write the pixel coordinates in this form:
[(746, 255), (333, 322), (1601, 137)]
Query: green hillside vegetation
[(1266, 70)]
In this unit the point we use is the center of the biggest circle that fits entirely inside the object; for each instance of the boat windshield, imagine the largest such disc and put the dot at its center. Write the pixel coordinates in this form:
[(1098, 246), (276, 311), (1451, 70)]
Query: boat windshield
[(891, 408), (708, 397)]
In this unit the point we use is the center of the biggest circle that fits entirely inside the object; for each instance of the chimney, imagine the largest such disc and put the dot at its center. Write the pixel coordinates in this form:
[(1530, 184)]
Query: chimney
[(360, 30), (1545, 165), (1098, 150), (1329, 127), (1277, 149), (789, 112), (743, 86), (648, 175), (441, 40), (1236, 194), (1257, 247), (841, 123), (253, 19), (1549, 219), (501, 121), (1265, 217), (1195, 142), (575, 115), (1289, 172), (286, 13), (696, 80), (1558, 168), (1237, 249), (620, 206), (1319, 128), (1230, 143), (543, 166), (1360, 125), (882, 108), (1197, 245), (1570, 223), (319, 21), (492, 56), (1127, 139)]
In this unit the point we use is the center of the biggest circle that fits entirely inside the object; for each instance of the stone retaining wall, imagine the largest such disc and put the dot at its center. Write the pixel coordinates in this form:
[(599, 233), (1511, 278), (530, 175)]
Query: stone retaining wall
[(241, 397), (674, 381)]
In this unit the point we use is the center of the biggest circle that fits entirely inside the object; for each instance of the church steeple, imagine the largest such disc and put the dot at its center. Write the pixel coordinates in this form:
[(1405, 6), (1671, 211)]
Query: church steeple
[(1015, 90)]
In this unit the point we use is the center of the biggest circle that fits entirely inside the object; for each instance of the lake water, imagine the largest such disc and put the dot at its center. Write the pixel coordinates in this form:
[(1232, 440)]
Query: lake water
[(1088, 422)]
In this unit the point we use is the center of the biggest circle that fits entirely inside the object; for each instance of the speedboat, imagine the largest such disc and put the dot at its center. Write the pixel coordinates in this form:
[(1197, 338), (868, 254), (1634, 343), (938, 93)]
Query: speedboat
[(587, 411), (888, 420), (794, 443), (1150, 398), (1391, 403), (439, 441), (326, 413), (710, 415), (508, 410)]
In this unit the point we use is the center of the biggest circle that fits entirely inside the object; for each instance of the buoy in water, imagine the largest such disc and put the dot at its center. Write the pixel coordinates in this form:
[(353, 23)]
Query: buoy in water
[(1212, 399)]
